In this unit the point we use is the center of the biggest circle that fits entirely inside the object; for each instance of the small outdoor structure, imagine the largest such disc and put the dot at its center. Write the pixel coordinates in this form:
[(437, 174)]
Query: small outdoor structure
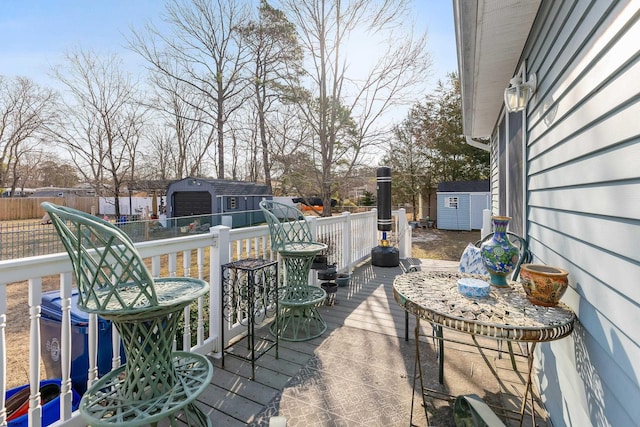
[(219, 198), (460, 204)]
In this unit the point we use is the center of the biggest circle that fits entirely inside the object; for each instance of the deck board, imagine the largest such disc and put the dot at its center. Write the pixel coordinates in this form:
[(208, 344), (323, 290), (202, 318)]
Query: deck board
[(359, 359)]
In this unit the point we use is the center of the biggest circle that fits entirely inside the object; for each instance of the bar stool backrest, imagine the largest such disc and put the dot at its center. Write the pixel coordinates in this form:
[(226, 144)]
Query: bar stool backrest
[(111, 276), (286, 223)]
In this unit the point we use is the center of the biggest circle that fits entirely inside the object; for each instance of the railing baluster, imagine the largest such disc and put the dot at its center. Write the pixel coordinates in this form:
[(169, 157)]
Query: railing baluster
[(155, 266), (219, 255), (173, 264), (3, 352), (346, 242), (186, 339), (35, 301), (93, 349), (200, 329), (65, 344)]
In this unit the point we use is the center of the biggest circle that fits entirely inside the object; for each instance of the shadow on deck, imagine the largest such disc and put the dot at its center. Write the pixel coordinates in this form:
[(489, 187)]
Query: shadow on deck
[(360, 371)]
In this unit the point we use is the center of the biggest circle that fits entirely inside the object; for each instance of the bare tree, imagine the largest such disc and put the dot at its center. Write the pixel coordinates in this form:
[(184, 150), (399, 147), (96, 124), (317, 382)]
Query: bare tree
[(333, 87), (276, 56), (26, 157), (25, 112), (46, 169), (102, 122), (293, 162), (192, 137), (203, 51), (160, 158)]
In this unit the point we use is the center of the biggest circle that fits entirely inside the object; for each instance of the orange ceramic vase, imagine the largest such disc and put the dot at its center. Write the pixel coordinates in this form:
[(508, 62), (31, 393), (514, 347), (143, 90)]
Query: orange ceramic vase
[(543, 284)]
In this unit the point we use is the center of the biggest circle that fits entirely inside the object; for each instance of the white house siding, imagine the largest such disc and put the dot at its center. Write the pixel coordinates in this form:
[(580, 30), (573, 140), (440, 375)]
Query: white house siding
[(583, 202)]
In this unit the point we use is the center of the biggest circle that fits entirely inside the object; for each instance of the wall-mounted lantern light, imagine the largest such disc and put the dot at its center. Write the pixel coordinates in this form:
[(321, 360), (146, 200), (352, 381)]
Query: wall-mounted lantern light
[(518, 94)]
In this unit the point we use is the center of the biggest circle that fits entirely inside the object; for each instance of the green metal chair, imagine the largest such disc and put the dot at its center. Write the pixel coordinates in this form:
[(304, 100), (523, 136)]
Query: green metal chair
[(298, 317), (155, 383)]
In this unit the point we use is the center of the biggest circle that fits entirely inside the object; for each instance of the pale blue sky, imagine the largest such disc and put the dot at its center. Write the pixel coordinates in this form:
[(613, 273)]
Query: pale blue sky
[(36, 33)]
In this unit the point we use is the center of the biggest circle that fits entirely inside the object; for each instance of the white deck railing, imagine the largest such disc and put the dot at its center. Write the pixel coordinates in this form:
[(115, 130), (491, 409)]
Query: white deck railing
[(350, 238)]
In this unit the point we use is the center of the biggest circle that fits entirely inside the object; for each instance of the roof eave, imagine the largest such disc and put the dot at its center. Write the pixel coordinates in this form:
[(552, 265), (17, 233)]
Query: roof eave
[(490, 38)]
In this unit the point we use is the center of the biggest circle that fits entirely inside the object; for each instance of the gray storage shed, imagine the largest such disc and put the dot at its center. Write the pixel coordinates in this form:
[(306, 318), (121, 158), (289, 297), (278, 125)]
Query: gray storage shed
[(460, 204), (218, 198)]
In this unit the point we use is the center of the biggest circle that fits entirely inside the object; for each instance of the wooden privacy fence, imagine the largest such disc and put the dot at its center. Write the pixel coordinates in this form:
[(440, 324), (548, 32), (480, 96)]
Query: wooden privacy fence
[(13, 208)]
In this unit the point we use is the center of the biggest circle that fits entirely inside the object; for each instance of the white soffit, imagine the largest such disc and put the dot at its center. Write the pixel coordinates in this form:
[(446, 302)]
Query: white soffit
[(490, 37)]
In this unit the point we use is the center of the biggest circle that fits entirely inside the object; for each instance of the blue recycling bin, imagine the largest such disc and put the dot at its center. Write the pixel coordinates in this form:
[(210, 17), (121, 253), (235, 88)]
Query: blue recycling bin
[(18, 399), (50, 344)]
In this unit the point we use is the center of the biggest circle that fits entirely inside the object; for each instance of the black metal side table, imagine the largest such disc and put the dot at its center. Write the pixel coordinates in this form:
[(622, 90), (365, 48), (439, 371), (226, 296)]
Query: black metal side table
[(249, 295)]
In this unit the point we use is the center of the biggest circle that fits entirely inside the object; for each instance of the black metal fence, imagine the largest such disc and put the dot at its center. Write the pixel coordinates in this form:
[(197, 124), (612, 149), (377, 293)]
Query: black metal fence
[(19, 239)]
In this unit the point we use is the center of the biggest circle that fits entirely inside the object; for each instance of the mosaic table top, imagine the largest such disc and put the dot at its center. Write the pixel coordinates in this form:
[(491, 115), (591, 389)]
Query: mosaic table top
[(505, 314)]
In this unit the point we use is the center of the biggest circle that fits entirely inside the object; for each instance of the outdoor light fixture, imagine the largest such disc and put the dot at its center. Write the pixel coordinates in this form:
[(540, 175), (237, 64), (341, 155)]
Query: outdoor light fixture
[(518, 94)]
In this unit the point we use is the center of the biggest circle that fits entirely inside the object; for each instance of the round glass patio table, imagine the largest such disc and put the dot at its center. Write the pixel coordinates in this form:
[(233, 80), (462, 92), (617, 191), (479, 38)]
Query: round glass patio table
[(506, 314)]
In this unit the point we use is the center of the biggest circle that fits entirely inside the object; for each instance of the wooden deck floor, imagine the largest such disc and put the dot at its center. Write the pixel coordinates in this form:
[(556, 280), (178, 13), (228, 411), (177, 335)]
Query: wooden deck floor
[(359, 372)]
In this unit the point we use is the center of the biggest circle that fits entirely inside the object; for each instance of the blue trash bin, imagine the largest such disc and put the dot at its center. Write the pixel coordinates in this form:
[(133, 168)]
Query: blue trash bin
[(50, 331), (50, 408)]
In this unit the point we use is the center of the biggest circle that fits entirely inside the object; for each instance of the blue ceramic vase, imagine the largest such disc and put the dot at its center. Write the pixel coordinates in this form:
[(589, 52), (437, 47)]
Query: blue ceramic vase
[(499, 255)]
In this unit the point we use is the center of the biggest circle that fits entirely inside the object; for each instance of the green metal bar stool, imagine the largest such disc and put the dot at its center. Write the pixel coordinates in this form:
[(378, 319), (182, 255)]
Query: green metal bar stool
[(155, 383), (298, 315)]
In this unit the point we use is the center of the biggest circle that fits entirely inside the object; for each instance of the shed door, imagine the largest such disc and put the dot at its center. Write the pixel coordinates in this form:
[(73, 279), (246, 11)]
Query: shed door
[(187, 203)]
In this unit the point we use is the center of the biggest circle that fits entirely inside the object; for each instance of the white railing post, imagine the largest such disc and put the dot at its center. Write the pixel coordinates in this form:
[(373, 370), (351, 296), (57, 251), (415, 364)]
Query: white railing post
[(404, 234), (374, 229), (3, 351), (313, 226), (220, 255), (35, 301), (486, 223), (200, 329), (186, 338), (92, 343), (66, 395), (346, 242)]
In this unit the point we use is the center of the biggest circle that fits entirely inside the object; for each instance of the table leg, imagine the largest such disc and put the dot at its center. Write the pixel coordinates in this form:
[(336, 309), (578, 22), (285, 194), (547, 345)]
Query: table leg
[(512, 356), (527, 389), (406, 326), (440, 336), (420, 374)]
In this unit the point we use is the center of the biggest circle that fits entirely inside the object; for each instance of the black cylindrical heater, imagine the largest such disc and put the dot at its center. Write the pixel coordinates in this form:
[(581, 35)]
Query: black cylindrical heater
[(384, 255), (384, 198)]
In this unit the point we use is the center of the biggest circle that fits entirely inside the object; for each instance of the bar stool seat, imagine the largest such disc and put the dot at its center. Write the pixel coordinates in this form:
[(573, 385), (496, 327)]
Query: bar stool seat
[(298, 315), (155, 383)]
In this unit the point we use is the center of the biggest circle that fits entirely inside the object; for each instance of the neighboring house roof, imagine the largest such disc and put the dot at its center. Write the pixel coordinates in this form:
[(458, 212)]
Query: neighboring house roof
[(149, 184), (490, 37), (238, 188), (231, 188), (464, 187)]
